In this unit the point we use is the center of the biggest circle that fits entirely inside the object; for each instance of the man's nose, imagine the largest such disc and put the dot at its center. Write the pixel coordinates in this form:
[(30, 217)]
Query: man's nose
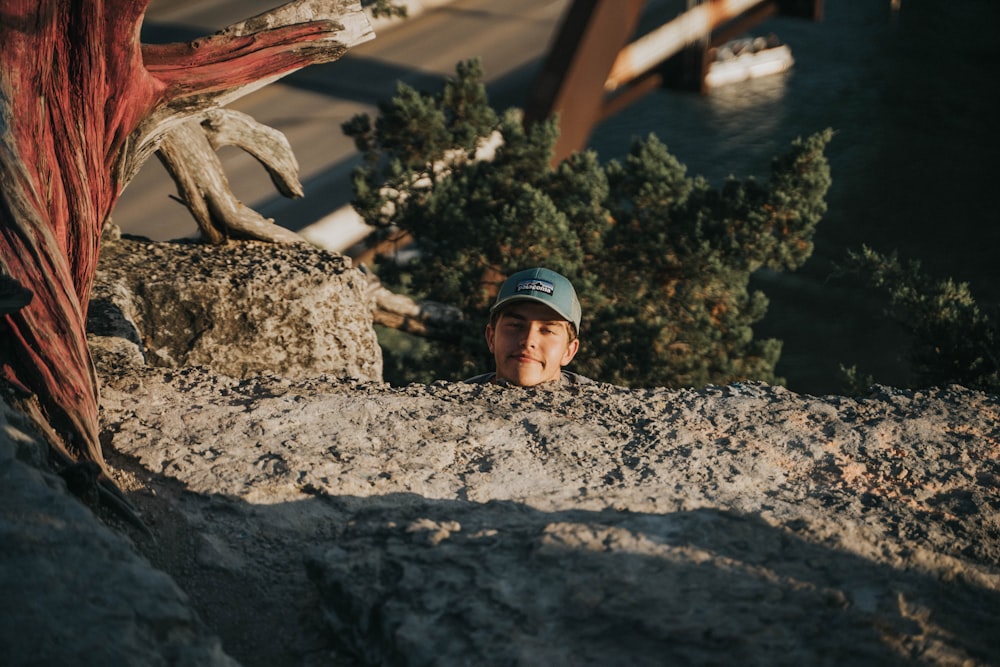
[(531, 336)]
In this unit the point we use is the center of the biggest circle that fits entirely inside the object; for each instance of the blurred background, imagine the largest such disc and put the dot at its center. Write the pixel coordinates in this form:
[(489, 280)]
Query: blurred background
[(908, 86)]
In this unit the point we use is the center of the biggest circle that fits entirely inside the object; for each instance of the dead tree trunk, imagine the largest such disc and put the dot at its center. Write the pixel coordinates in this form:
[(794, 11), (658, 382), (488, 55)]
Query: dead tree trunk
[(82, 105)]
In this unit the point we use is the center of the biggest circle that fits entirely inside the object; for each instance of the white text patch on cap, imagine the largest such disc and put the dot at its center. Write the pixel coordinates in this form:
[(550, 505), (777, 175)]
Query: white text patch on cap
[(536, 285)]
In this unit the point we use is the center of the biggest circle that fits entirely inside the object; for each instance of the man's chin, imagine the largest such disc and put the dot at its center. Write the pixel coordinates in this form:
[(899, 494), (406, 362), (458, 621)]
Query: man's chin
[(525, 379)]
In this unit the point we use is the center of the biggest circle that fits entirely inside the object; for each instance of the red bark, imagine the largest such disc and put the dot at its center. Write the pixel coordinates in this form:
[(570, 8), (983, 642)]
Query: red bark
[(81, 104)]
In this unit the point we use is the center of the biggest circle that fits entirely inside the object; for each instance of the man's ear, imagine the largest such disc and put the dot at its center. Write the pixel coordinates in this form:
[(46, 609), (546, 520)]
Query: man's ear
[(489, 337), (571, 350)]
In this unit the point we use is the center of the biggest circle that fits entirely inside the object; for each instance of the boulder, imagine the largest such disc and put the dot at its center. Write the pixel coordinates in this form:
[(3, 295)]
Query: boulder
[(74, 591), (240, 308), (456, 524)]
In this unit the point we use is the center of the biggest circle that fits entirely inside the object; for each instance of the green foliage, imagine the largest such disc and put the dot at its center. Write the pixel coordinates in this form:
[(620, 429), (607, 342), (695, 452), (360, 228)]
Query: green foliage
[(854, 383), (661, 261), (953, 340), (385, 8), (680, 256)]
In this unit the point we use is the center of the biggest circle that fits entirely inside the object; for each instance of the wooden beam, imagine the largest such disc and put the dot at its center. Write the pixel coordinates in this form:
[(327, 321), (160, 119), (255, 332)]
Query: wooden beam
[(571, 82), (592, 43), (654, 48), (735, 28)]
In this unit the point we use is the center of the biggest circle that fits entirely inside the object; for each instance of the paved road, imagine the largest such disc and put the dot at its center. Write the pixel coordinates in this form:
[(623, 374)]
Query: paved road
[(309, 106)]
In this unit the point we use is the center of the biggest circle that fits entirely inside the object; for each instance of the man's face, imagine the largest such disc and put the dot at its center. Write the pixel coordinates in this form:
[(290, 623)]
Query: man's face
[(530, 343)]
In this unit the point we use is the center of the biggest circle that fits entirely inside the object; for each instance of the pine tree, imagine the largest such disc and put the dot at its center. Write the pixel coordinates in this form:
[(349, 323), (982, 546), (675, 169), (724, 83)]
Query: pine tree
[(953, 340), (661, 261)]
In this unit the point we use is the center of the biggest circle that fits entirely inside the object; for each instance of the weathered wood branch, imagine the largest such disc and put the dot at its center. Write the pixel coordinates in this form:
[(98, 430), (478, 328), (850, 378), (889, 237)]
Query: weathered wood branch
[(82, 105), (213, 71), (428, 319), (197, 172), (189, 153), (226, 127)]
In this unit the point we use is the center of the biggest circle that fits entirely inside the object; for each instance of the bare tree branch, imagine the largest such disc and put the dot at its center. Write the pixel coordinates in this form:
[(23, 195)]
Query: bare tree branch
[(429, 319), (189, 154)]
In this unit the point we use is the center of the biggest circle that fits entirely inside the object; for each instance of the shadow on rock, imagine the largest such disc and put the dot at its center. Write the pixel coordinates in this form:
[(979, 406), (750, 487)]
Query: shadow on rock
[(415, 582), (400, 579)]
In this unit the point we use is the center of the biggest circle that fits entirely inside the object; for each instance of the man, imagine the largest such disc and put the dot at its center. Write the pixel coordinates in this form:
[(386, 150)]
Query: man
[(534, 331)]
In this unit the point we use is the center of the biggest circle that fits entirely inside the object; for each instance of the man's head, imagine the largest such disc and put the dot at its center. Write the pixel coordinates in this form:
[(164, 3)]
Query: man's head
[(534, 327)]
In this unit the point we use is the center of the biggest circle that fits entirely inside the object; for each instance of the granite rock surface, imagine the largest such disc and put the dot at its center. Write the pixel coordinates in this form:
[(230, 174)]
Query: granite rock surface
[(302, 512)]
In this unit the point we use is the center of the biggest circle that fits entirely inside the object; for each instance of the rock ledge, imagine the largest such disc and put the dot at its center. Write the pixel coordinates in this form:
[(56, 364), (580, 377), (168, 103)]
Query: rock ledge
[(305, 513)]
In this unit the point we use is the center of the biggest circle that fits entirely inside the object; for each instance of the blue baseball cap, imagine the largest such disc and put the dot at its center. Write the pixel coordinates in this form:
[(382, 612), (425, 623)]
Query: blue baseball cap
[(543, 286)]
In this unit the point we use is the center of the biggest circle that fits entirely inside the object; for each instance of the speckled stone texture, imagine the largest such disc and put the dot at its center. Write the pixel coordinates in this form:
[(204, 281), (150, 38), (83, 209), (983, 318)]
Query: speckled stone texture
[(239, 308)]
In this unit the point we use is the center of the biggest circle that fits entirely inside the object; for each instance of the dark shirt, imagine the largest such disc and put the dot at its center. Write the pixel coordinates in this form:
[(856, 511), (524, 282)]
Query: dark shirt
[(566, 377)]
